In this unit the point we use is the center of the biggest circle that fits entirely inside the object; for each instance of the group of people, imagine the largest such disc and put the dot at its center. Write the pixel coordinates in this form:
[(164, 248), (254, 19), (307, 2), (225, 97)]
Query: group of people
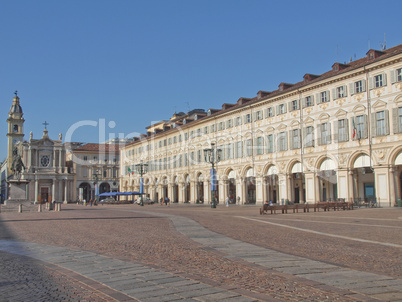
[(92, 201), (165, 201)]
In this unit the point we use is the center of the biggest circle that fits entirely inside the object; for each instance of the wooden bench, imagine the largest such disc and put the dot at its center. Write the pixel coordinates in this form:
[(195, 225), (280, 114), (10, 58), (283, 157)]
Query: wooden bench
[(326, 206)]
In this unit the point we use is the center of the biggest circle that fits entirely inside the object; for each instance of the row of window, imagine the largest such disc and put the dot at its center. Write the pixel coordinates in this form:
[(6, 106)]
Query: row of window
[(343, 130), (106, 173), (95, 159), (357, 125), (359, 86)]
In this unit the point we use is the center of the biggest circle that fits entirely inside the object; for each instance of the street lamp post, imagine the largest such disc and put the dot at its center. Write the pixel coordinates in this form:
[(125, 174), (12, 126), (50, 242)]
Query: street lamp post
[(213, 156), (141, 168), (95, 176)]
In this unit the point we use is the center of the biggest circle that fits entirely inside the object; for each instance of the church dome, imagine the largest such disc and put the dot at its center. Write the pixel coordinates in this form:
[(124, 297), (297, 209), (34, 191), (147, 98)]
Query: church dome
[(16, 108)]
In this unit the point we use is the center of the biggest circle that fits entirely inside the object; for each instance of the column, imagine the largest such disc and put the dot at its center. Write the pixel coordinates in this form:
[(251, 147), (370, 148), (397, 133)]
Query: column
[(207, 191), (53, 191), (392, 186), (343, 187), (350, 186), (36, 190), (60, 162), (382, 186), (65, 190), (318, 188), (259, 179), (54, 160), (239, 190), (310, 187), (193, 191)]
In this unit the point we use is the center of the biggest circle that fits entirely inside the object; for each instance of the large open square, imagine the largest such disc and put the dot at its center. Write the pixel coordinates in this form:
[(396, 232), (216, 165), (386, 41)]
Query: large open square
[(195, 253)]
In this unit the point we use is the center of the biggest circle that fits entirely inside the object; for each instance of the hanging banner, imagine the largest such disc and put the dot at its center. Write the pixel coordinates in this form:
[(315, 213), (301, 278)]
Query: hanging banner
[(214, 182), (141, 185)]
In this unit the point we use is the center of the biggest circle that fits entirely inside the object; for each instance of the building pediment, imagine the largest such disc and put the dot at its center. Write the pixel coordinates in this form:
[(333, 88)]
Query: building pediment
[(379, 105), (341, 113)]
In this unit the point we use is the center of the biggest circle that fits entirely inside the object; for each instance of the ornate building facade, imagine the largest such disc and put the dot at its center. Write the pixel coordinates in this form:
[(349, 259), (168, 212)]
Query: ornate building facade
[(44, 174), (331, 136), (96, 166)]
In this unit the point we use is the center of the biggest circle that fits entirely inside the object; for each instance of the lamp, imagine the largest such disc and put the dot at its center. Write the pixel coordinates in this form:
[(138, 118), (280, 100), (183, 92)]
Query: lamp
[(213, 156), (141, 169)]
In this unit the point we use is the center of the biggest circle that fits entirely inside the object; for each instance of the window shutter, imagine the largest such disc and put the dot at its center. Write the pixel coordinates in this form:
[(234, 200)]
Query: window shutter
[(386, 122), (352, 88), (303, 138), (336, 134), (298, 104), (304, 102), (312, 100), (284, 107), (393, 76), (345, 90), (371, 83), (329, 133), (245, 119), (373, 125), (300, 138), (365, 130), (273, 143), (277, 110), (384, 79), (319, 134), (290, 106), (346, 129), (273, 110), (363, 85), (318, 97), (291, 140), (395, 120), (266, 112), (286, 140), (334, 96)]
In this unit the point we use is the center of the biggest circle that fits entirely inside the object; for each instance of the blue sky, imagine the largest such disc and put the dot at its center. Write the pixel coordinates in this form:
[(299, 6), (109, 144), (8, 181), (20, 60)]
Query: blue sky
[(126, 63)]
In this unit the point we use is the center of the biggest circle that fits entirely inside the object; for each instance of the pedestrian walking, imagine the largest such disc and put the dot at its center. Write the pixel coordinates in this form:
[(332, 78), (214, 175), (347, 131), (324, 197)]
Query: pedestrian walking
[(227, 201), (238, 199)]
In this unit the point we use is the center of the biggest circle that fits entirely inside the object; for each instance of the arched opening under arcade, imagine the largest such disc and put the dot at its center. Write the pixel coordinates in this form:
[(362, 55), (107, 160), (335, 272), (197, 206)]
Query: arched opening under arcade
[(272, 184), (232, 186), (187, 188), (250, 186), (176, 189), (84, 191), (298, 186), (328, 180), (200, 188), (363, 179)]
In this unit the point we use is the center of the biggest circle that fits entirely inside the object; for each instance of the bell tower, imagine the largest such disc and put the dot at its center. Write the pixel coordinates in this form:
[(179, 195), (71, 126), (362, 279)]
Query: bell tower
[(15, 132)]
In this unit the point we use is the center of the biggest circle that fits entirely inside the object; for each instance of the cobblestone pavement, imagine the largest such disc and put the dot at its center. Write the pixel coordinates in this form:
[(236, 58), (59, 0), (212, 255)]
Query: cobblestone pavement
[(195, 253)]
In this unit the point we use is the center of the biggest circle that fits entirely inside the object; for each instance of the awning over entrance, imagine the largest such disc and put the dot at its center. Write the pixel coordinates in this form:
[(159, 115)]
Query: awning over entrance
[(327, 164), (273, 170), (297, 168), (398, 160), (362, 161)]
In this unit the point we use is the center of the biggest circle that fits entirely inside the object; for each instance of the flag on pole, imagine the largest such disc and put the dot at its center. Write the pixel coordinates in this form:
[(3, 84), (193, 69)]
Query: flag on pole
[(129, 171), (354, 129)]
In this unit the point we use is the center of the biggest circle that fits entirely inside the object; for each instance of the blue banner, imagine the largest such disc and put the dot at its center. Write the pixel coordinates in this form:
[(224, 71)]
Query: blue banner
[(141, 185), (214, 183)]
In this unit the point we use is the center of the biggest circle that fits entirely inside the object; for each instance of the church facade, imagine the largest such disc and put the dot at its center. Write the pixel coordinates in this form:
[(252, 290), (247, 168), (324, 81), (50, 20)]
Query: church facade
[(43, 167), (331, 136)]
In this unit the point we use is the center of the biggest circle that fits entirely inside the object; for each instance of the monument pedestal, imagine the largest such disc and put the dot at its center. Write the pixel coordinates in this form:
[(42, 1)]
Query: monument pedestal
[(18, 191)]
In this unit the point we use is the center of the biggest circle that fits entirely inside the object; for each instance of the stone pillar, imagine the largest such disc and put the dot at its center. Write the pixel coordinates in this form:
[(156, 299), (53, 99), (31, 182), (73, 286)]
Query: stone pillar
[(193, 191), (239, 190), (60, 162), (350, 186), (207, 191), (342, 180), (36, 190), (309, 179), (182, 187), (392, 190), (382, 186), (259, 179), (53, 191), (283, 191), (65, 191), (317, 185)]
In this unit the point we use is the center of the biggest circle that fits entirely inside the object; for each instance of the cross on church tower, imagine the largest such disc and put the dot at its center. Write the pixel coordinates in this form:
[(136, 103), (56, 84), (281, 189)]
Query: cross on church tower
[(45, 123), (16, 93)]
